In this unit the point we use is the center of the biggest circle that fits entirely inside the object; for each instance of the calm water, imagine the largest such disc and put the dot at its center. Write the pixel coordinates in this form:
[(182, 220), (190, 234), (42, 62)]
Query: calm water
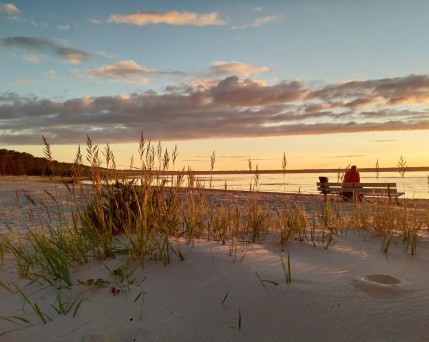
[(414, 184)]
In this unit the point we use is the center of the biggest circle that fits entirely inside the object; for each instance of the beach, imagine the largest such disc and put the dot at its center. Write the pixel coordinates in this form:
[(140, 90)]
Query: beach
[(344, 291)]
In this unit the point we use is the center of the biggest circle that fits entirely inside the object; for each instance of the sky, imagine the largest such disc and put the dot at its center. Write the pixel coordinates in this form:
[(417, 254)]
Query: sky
[(327, 83)]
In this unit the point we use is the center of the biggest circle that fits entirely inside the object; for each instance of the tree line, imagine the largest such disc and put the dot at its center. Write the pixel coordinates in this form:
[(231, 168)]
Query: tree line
[(13, 163)]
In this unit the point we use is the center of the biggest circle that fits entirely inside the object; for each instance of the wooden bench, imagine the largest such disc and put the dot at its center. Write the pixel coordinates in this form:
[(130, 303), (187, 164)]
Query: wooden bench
[(387, 190)]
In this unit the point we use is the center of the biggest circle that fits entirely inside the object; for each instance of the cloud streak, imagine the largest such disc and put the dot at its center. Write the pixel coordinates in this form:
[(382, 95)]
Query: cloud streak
[(256, 23), (127, 71), (230, 107), (236, 68), (123, 71), (170, 18), (56, 48), (394, 91)]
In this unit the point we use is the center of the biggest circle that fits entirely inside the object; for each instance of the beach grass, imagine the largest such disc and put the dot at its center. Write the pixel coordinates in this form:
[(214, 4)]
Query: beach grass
[(144, 217), (150, 216)]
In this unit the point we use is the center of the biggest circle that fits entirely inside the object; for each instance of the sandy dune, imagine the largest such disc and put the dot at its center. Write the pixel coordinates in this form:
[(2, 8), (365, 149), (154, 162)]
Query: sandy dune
[(348, 292)]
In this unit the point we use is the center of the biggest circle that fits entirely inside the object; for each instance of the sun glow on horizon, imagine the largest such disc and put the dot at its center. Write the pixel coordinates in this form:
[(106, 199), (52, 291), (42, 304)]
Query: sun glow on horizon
[(302, 152)]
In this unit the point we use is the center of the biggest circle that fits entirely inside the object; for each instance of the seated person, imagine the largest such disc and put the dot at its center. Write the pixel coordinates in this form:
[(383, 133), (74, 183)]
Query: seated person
[(352, 176)]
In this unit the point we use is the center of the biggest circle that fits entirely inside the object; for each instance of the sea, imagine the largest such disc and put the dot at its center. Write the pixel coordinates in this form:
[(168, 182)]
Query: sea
[(415, 184)]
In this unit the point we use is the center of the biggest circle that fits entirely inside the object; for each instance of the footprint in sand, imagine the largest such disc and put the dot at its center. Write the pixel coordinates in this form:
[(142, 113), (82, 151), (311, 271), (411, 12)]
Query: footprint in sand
[(381, 286)]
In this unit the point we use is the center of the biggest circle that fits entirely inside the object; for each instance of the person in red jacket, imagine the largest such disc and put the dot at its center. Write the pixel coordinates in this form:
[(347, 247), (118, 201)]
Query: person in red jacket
[(351, 176)]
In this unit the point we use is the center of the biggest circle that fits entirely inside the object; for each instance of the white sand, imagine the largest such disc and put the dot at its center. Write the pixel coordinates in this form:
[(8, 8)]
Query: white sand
[(348, 292)]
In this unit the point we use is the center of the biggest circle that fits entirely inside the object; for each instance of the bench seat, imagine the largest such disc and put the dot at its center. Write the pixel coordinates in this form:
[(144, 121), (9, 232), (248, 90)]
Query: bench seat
[(388, 190)]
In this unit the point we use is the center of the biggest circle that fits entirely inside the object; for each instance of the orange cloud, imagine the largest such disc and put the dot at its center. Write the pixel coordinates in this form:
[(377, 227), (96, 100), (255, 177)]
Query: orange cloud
[(127, 71), (123, 71), (237, 68), (171, 18), (9, 8)]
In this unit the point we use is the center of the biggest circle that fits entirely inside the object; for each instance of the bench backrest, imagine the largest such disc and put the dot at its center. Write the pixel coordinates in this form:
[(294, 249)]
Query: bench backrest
[(360, 188)]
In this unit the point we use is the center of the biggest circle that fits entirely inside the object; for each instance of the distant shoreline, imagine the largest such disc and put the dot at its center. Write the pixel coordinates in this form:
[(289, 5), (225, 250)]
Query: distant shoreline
[(238, 172)]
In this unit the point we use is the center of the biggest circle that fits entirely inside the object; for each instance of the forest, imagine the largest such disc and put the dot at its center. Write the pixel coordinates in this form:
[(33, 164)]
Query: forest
[(13, 163)]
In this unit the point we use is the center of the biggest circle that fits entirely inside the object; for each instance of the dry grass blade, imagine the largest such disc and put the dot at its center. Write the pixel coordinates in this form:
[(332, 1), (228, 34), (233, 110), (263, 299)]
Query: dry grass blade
[(239, 319), (263, 281), (15, 319), (6, 287), (48, 154), (286, 271), (224, 298), (43, 317)]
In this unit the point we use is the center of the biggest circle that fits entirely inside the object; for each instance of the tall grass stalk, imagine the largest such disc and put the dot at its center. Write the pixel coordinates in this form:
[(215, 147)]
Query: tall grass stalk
[(385, 244), (290, 221), (48, 155), (284, 164), (377, 170), (286, 270), (383, 218), (51, 260), (212, 164), (402, 168)]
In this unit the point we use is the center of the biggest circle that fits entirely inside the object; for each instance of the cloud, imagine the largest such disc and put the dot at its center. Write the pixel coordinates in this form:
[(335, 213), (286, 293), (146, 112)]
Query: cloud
[(25, 81), (393, 91), (247, 93), (230, 107), (51, 73), (72, 56), (237, 68), (64, 27), (123, 71), (35, 59), (127, 71), (49, 46), (171, 18), (14, 14), (94, 21), (257, 22), (9, 8)]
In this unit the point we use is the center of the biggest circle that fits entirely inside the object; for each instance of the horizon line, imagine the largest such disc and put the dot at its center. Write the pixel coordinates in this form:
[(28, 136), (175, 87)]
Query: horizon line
[(278, 171)]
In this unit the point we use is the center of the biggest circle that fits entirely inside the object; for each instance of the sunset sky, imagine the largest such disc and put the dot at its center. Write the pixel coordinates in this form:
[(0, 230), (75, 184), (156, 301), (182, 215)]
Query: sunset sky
[(327, 82)]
